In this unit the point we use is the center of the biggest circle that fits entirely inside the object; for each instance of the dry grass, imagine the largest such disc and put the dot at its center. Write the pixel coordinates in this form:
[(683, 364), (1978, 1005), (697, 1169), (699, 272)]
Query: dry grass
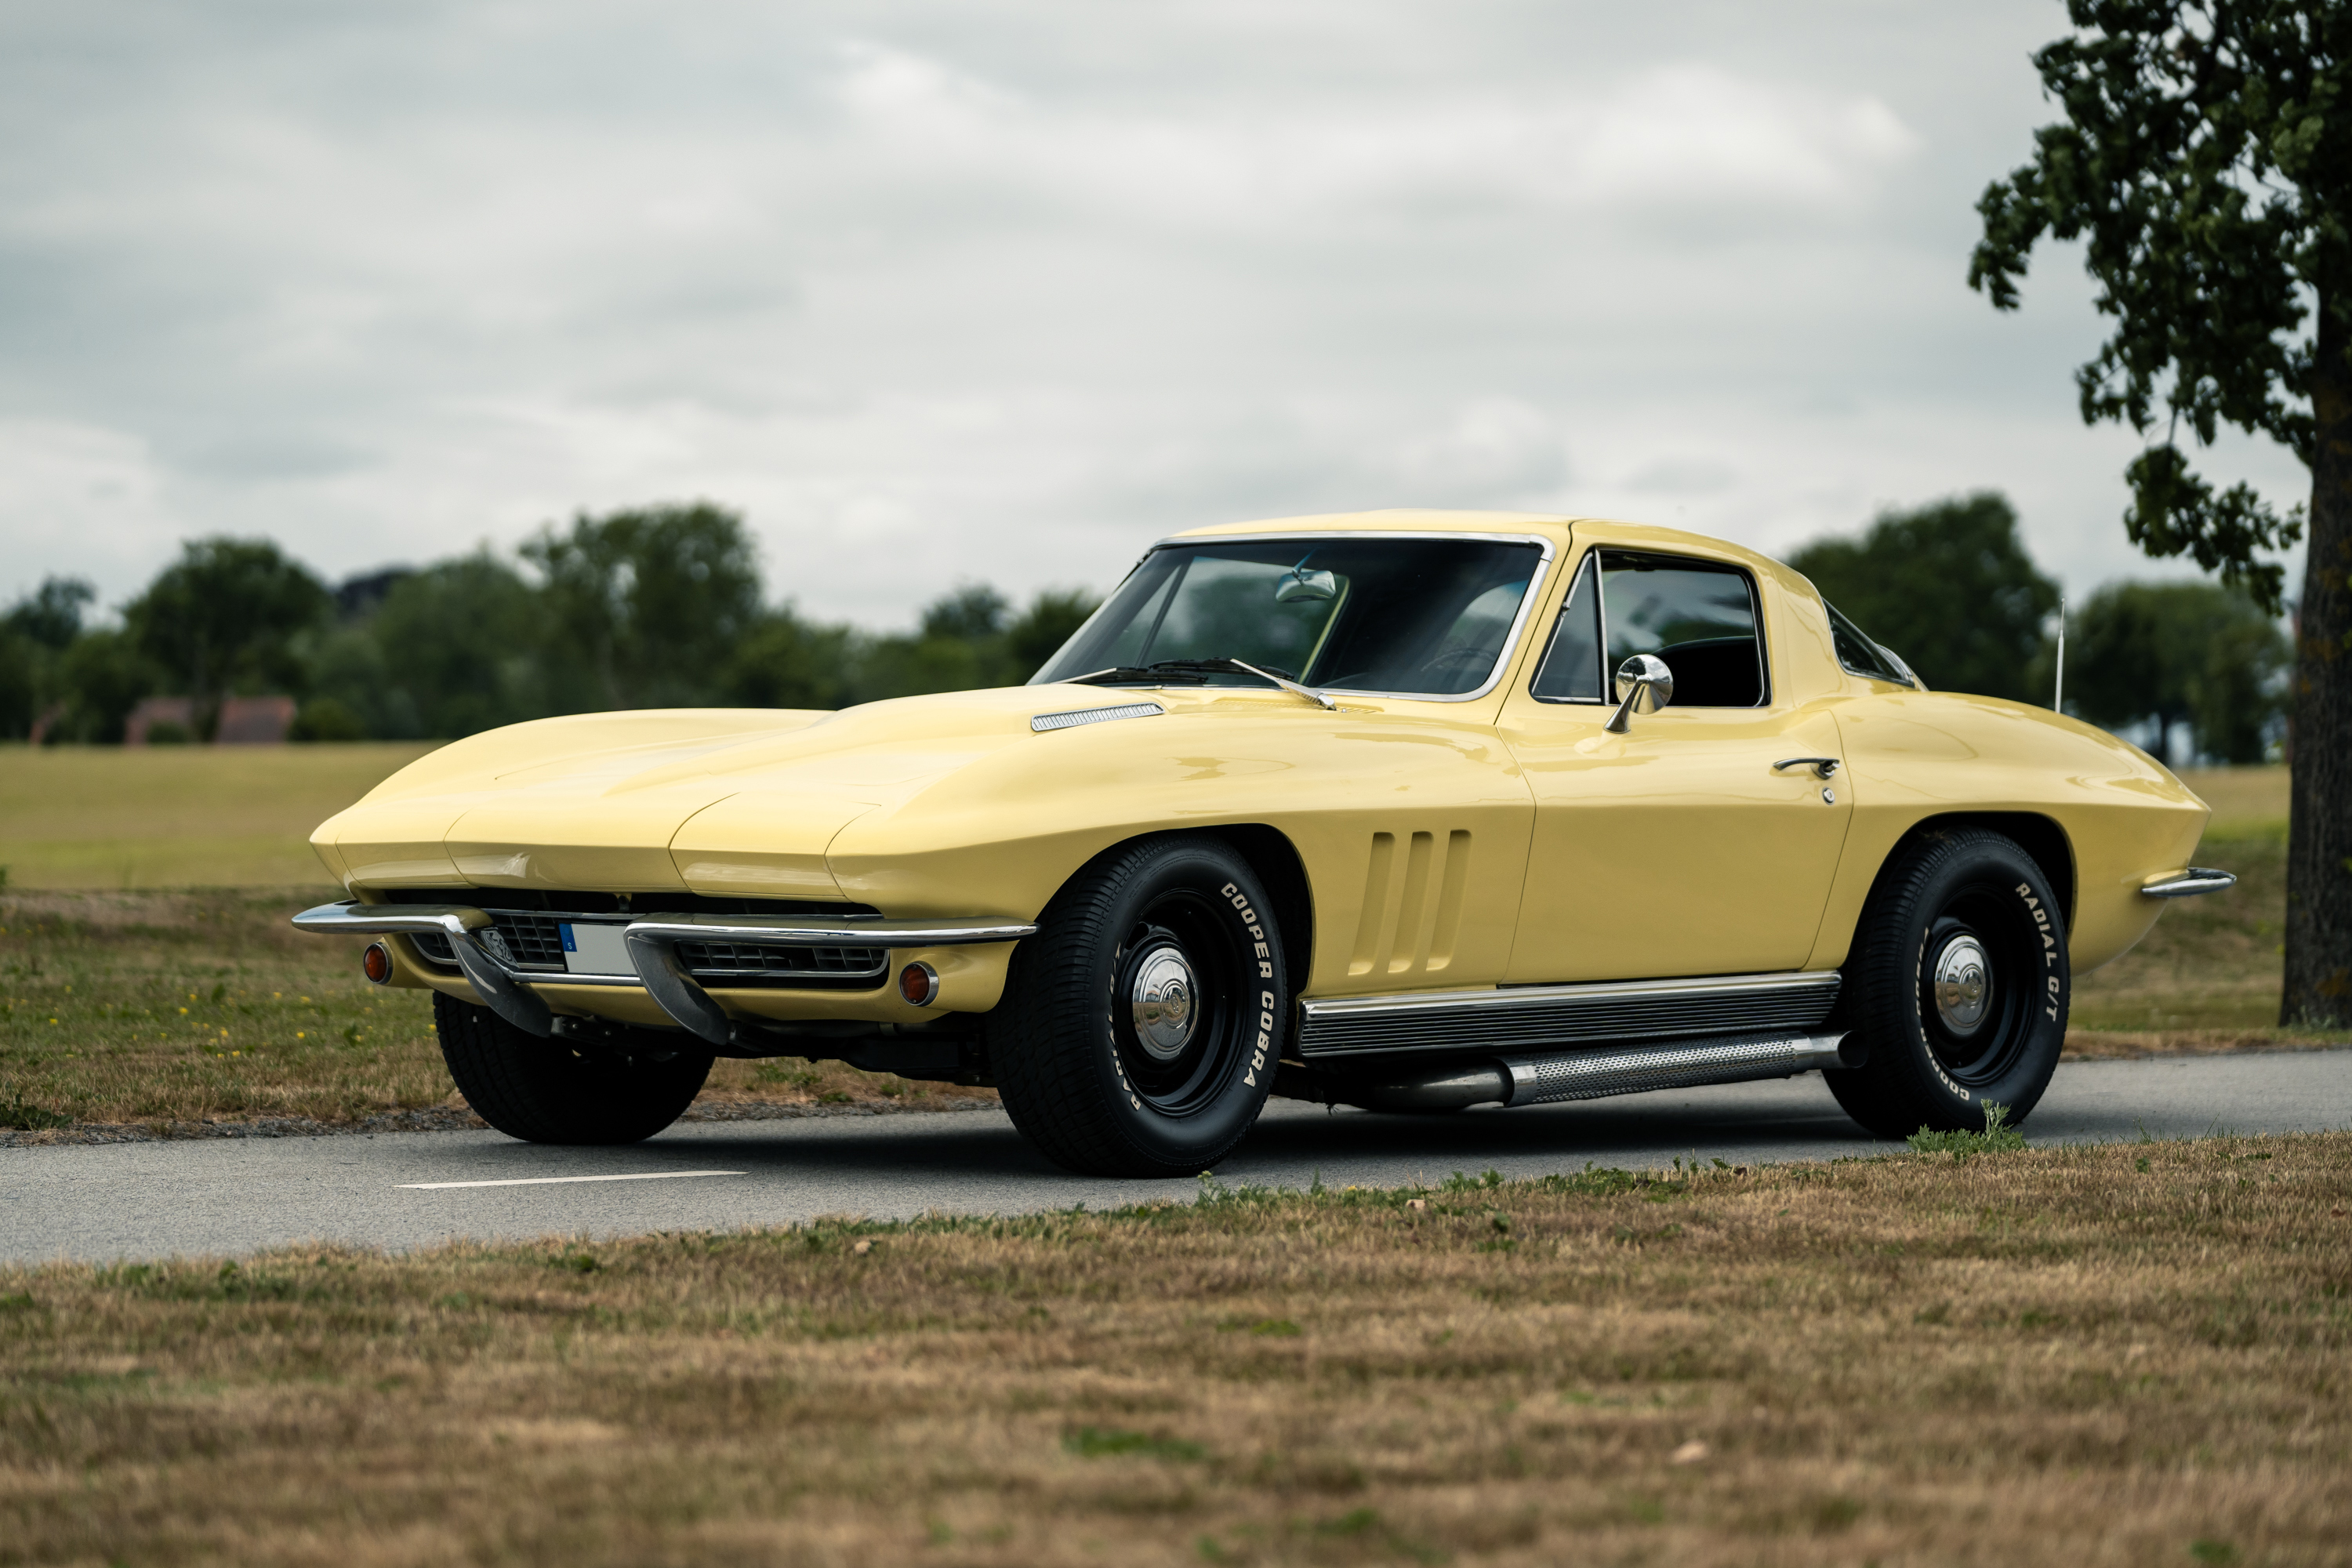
[(2208, 976), (2130, 1354), (161, 1007), (2246, 802), (172, 816)]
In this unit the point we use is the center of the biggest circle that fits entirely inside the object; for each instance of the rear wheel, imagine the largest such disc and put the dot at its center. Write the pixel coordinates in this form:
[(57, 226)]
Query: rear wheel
[(1958, 985), (1141, 1025), (546, 1091)]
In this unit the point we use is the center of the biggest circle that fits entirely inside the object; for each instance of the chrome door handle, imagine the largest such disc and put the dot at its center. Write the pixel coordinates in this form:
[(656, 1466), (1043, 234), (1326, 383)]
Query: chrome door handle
[(1824, 767)]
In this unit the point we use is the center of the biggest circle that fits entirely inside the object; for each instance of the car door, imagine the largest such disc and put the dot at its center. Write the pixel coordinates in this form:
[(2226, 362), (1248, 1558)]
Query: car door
[(1679, 847)]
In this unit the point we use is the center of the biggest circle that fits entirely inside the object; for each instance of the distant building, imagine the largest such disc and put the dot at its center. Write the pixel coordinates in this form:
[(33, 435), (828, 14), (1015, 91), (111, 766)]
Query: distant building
[(244, 721), (178, 711), (254, 722)]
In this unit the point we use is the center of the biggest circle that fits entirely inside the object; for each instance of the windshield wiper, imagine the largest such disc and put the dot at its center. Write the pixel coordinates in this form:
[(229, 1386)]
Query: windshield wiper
[(1198, 669), (1138, 674)]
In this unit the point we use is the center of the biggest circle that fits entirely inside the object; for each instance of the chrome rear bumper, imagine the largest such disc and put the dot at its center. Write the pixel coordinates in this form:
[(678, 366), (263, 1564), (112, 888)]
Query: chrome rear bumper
[(652, 945), (2188, 884)]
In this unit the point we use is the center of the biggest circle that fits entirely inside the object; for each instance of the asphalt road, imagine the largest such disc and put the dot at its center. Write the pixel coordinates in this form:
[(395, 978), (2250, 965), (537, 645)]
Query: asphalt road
[(407, 1190)]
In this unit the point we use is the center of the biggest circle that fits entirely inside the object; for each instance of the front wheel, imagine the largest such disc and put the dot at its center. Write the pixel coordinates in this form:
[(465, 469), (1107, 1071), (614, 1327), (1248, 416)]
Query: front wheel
[(1141, 1024), (545, 1091), (1958, 985)]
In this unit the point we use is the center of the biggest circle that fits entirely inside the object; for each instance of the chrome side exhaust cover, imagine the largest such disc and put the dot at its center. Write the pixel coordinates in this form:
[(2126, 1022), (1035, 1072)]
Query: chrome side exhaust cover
[(1592, 1074), (1682, 1064)]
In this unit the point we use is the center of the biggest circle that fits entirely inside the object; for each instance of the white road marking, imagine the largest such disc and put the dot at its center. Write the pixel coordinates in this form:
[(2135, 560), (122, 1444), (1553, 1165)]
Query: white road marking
[(557, 1181)]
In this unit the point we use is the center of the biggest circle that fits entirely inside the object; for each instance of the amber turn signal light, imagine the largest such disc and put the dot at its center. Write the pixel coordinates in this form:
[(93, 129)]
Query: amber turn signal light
[(376, 964), (918, 983)]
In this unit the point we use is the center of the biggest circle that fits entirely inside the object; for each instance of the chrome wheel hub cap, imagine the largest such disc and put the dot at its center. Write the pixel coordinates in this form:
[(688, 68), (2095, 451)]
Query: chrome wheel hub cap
[(1963, 989), (1164, 999)]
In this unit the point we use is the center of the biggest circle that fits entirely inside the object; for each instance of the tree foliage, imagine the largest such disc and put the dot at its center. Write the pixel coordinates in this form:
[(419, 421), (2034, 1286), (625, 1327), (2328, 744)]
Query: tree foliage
[(51, 615), (2204, 161), (34, 635), (655, 607), (2179, 653), (1948, 586), (645, 604), (225, 617)]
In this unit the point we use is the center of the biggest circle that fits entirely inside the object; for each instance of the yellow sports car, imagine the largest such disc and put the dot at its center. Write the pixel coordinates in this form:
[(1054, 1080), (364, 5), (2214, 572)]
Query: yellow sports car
[(1405, 810)]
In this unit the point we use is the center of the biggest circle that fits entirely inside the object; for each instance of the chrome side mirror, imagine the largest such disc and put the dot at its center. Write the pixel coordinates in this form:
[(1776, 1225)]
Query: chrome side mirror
[(1642, 676)]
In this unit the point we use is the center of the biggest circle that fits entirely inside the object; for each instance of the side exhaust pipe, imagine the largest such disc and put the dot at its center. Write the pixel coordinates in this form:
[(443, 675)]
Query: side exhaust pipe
[(1685, 1064), (1586, 1074)]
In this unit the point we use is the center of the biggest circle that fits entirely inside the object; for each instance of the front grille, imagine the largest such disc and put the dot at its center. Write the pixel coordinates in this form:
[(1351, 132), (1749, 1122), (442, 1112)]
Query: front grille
[(718, 960), (533, 941), (536, 942)]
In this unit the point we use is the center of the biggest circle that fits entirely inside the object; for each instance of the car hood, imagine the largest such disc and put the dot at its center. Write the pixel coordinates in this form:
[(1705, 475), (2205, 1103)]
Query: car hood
[(719, 801)]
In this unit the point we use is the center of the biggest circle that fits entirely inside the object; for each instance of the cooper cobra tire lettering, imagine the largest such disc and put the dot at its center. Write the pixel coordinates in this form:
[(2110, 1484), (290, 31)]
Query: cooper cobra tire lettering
[(1070, 1065)]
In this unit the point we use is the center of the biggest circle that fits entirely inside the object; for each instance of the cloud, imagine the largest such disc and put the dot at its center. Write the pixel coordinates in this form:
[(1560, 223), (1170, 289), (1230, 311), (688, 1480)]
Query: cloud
[(1685, 134), (933, 293), (1496, 452), (83, 499), (1694, 133)]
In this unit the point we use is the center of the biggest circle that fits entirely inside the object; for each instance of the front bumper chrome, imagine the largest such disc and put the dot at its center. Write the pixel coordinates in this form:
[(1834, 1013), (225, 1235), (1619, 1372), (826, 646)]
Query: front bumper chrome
[(652, 946)]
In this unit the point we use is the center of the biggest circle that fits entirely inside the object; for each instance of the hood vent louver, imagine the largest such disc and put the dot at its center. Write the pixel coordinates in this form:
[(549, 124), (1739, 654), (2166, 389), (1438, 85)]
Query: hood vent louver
[(1044, 722)]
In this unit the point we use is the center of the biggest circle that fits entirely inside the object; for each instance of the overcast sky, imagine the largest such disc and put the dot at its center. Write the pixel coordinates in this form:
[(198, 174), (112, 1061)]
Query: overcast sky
[(946, 292)]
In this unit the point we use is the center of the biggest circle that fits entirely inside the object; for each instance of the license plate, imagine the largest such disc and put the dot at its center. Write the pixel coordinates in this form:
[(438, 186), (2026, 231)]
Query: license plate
[(594, 949)]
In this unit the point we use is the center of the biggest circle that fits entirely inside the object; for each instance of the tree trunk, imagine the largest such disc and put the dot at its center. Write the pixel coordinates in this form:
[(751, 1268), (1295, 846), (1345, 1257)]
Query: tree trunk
[(2318, 992)]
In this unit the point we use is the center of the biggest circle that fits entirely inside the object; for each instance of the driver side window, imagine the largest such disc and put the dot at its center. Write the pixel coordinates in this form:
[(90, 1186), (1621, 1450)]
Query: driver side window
[(1696, 616)]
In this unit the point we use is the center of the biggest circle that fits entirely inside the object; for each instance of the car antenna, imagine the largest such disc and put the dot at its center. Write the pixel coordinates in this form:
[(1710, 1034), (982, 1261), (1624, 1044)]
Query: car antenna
[(2058, 695)]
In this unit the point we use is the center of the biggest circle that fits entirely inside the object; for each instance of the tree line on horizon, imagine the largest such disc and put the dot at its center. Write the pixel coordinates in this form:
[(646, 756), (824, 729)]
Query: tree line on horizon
[(665, 607), (653, 607)]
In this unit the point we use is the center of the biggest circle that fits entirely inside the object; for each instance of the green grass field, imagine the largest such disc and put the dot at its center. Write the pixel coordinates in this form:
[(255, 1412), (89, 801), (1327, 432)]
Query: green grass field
[(178, 817)]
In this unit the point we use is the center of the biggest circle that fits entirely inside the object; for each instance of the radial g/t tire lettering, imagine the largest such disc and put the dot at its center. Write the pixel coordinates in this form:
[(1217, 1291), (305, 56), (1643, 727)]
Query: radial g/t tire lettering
[(545, 1091), (1141, 1024), (1959, 984)]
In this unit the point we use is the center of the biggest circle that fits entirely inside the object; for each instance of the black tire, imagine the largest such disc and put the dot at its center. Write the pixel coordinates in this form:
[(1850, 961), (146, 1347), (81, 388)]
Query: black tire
[(1928, 1064), (545, 1091), (1072, 1062)]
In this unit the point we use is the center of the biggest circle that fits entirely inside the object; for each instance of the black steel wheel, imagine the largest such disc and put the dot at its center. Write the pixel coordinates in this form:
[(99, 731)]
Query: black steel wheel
[(1141, 1025), (1958, 984), (548, 1091)]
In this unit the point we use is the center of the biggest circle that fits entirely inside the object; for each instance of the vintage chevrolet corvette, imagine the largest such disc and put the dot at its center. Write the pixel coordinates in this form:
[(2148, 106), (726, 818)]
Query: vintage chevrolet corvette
[(1413, 811)]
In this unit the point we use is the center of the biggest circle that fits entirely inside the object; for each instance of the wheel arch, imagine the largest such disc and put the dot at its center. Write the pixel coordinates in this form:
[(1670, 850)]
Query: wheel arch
[(1270, 854), (2041, 838), (1278, 863)]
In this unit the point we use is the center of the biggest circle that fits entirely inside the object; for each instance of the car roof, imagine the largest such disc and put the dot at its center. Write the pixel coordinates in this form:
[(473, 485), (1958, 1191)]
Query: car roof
[(1400, 519), (1552, 524)]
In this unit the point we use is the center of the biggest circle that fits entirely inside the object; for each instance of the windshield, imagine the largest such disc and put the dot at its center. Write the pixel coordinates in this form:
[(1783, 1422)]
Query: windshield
[(1423, 617)]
